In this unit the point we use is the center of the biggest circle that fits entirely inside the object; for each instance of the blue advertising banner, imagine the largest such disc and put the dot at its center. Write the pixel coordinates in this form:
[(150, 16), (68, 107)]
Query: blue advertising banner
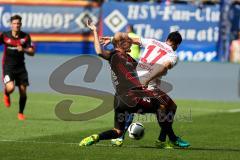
[(199, 27), (49, 19)]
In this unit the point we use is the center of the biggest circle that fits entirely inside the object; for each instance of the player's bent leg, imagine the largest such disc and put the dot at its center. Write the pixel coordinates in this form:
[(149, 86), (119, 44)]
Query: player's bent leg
[(174, 140), (9, 88), (161, 142), (119, 141), (22, 101), (121, 120), (106, 135), (165, 116)]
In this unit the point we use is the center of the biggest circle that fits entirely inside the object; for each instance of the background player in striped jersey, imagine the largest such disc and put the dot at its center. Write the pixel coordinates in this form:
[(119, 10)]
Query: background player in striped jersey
[(16, 44)]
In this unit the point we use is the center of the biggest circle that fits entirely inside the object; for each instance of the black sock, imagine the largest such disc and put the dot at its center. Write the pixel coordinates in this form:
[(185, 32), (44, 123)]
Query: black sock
[(6, 93), (165, 120), (163, 133), (162, 136), (170, 133), (22, 103), (110, 134)]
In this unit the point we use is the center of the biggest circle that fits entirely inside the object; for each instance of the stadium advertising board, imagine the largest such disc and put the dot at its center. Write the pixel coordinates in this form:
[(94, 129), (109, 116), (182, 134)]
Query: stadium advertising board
[(51, 19), (198, 26)]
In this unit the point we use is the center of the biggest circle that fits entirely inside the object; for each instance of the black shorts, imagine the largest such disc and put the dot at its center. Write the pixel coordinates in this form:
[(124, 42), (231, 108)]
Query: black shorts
[(143, 105), (122, 110), (19, 75)]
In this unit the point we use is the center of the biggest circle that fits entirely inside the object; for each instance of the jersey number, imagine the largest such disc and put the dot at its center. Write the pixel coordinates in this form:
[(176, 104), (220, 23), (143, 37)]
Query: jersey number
[(150, 48)]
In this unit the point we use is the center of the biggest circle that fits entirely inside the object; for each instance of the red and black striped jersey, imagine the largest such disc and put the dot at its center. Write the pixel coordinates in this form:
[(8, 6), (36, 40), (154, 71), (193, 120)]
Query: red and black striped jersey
[(123, 72), (11, 56)]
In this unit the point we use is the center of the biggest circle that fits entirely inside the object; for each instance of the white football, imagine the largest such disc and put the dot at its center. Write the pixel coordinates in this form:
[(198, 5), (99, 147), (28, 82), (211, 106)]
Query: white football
[(136, 130)]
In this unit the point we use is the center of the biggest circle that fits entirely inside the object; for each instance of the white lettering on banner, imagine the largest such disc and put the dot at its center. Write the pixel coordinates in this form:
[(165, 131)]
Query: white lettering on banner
[(154, 11), (67, 19), (216, 34), (47, 21), (197, 57), (190, 35), (166, 13), (171, 13), (57, 20), (198, 15), (38, 23), (209, 56), (44, 20), (208, 14), (178, 15), (133, 11), (201, 35), (142, 12), (139, 29), (210, 34), (145, 30)]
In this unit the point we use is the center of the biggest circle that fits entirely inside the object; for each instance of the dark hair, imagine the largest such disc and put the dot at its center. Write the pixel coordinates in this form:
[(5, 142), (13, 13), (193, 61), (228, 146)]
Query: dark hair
[(16, 17), (175, 37)]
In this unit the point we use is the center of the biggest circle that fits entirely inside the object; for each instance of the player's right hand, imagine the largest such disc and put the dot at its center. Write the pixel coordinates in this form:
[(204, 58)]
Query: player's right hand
[(20, 48)]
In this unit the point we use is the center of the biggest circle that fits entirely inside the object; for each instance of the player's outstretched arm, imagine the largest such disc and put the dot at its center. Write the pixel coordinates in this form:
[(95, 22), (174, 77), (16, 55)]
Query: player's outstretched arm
[(157, 72), (97, 44), (136, 41), (107, 39)]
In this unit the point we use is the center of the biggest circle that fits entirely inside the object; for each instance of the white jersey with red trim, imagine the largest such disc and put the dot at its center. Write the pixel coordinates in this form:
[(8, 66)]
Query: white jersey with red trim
[(153, 56)]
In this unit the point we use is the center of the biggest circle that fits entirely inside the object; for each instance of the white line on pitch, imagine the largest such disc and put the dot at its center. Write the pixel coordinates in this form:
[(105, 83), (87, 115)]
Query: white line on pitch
[(39, 142), (234, 110), (51, 142)]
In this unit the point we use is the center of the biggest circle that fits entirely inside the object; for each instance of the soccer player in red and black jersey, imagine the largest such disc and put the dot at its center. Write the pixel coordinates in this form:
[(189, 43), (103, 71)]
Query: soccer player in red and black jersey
[(16, 45)]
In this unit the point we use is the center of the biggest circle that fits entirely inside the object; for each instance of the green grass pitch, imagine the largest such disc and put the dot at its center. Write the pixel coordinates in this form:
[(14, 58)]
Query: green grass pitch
[(212, 128)]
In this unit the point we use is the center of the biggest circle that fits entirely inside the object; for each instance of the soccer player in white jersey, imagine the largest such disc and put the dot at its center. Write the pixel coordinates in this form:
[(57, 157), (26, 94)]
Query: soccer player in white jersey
[(155, 61), (157, 58)]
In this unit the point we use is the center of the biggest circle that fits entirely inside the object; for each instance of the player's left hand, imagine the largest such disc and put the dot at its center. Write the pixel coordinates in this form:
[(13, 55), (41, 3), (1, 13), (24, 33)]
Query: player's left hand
[(105, 40), (91, 25), (20, 48)]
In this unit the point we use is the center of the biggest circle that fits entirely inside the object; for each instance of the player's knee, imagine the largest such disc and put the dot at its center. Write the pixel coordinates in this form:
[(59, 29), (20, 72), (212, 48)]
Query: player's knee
[(10, 88), (172, 107), (22, 91), (118, 131)]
